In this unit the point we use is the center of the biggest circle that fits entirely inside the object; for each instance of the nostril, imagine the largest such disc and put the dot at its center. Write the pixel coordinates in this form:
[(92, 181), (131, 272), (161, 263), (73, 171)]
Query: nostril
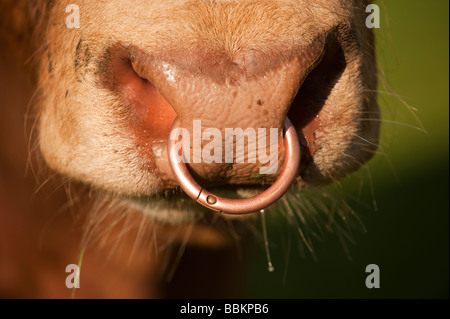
[(148, 112), (313, 93)]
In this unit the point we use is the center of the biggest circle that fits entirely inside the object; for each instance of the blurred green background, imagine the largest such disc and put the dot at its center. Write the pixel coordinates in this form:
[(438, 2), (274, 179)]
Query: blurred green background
[(403, 194)]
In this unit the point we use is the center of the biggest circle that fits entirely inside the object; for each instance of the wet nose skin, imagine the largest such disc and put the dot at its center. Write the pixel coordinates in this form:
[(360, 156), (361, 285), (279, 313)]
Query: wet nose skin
[(245, 93)]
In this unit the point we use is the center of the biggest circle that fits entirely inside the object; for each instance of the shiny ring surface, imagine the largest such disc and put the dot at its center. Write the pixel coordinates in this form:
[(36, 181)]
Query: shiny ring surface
[(244, 205)]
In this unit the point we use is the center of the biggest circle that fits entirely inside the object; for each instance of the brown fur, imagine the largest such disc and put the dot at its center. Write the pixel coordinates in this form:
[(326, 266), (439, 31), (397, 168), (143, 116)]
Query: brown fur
[(88, 137)]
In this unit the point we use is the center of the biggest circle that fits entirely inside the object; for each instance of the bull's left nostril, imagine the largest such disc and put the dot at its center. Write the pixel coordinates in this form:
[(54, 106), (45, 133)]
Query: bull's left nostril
[(239, 206)]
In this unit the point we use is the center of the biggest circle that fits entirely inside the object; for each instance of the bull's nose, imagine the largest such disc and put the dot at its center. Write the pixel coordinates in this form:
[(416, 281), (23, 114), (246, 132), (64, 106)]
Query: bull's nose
[(241, 93), (253, 101)]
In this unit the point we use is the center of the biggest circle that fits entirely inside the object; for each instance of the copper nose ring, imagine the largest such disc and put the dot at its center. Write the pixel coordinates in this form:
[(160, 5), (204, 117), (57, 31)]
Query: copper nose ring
[(245, 205)]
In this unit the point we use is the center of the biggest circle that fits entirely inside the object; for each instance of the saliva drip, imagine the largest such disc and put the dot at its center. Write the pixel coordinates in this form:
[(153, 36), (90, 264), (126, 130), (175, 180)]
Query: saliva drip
[(270, 267)]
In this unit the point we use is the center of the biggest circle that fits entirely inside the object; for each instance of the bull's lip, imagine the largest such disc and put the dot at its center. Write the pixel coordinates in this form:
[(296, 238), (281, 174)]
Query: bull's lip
[(174, 206), (235, 191)]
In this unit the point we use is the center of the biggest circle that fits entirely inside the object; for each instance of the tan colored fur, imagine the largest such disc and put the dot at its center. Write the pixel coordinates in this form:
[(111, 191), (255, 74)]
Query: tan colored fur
[(82, 130)]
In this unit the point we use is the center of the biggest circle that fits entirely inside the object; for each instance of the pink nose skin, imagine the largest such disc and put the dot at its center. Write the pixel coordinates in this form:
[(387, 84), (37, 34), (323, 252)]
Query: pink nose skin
[(247, 90), (238, 89), (239, 206)]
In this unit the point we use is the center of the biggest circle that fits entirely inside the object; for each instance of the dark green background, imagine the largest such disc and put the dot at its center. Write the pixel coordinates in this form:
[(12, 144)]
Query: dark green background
[(407, 235)]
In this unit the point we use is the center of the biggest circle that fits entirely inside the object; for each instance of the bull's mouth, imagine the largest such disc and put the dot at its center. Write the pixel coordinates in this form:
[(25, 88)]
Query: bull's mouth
[(150, 115), (175, 206)]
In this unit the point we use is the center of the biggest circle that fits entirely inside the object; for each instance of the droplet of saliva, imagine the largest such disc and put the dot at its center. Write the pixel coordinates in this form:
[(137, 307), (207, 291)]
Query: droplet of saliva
[(270, 267)]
